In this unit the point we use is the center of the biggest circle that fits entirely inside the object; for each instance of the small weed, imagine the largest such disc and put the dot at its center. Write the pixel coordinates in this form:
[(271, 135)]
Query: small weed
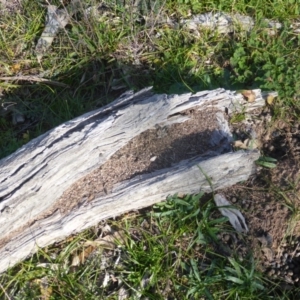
[(237, 118), (244, 280), (267, 162), (190, 210), (202, 282)]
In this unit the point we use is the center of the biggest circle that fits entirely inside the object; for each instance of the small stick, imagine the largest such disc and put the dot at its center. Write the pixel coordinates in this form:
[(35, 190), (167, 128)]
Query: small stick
[(33, 78)]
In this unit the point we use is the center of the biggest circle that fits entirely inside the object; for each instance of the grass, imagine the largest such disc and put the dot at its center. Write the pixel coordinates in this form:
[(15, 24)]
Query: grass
[(169, 251), (170, 246), (95, 56), (174, 255)]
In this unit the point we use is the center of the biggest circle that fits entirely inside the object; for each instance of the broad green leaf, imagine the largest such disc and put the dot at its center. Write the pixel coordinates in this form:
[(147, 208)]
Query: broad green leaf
[(182, 202), (268, 159), (218, 221), (266, 164), (236, 266), (195, 269), (235, 279), (195, 213)]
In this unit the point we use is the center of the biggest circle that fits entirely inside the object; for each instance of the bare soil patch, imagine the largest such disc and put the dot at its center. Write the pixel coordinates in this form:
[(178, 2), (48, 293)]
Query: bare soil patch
[(266, 200), (269, 201), (10, 6)]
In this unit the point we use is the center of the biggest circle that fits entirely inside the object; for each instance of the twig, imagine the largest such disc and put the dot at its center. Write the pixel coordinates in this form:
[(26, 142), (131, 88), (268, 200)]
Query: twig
[(4, 291), (34, 78)]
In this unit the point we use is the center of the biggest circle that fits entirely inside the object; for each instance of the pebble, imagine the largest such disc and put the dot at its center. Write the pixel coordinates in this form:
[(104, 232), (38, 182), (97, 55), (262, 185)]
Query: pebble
[(273, 264), (281, 125), (294, 130), (275, 133), (271, 148), (282, 144), (18, 118), (278, 265), (244, 249), (287, 267), (267, 207), (226, 237), (233, 199)]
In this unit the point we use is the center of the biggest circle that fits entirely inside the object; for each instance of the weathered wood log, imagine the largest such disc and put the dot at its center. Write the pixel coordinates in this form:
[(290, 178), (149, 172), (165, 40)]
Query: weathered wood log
[(35, 207)]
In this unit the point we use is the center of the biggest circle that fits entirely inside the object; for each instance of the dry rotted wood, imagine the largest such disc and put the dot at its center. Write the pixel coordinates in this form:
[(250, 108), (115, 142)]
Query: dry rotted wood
[(34, 178)]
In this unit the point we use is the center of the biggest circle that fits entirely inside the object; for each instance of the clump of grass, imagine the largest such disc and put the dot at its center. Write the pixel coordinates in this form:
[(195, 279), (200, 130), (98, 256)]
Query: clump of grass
[(167, 252), (237, 118)]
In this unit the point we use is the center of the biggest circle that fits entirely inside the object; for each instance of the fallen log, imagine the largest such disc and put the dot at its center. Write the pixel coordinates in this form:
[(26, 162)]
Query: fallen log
[(129, 154)]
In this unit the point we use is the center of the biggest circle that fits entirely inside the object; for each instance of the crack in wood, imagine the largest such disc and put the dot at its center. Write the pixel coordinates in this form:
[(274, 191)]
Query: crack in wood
[(57, 191)]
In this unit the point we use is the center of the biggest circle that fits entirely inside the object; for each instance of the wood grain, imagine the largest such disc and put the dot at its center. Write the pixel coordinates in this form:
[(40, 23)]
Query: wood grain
[(33, 178)]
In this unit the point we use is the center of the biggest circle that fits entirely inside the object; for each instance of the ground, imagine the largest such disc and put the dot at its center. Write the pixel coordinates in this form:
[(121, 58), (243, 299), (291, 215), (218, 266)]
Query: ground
[(180, 249), (270, 199)]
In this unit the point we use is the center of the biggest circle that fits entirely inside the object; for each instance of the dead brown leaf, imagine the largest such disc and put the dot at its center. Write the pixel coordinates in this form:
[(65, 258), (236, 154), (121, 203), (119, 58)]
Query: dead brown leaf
[(239, 144), (270, 99), (45, 288), (108, 242), (249, 95)]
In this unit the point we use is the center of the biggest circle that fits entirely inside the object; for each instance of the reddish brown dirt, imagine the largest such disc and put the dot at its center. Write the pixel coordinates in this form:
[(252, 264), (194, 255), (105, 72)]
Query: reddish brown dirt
[(270, 200), (267, 200)]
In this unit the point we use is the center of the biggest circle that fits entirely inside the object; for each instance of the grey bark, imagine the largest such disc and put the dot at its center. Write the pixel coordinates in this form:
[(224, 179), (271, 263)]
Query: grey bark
[(33, 178)]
